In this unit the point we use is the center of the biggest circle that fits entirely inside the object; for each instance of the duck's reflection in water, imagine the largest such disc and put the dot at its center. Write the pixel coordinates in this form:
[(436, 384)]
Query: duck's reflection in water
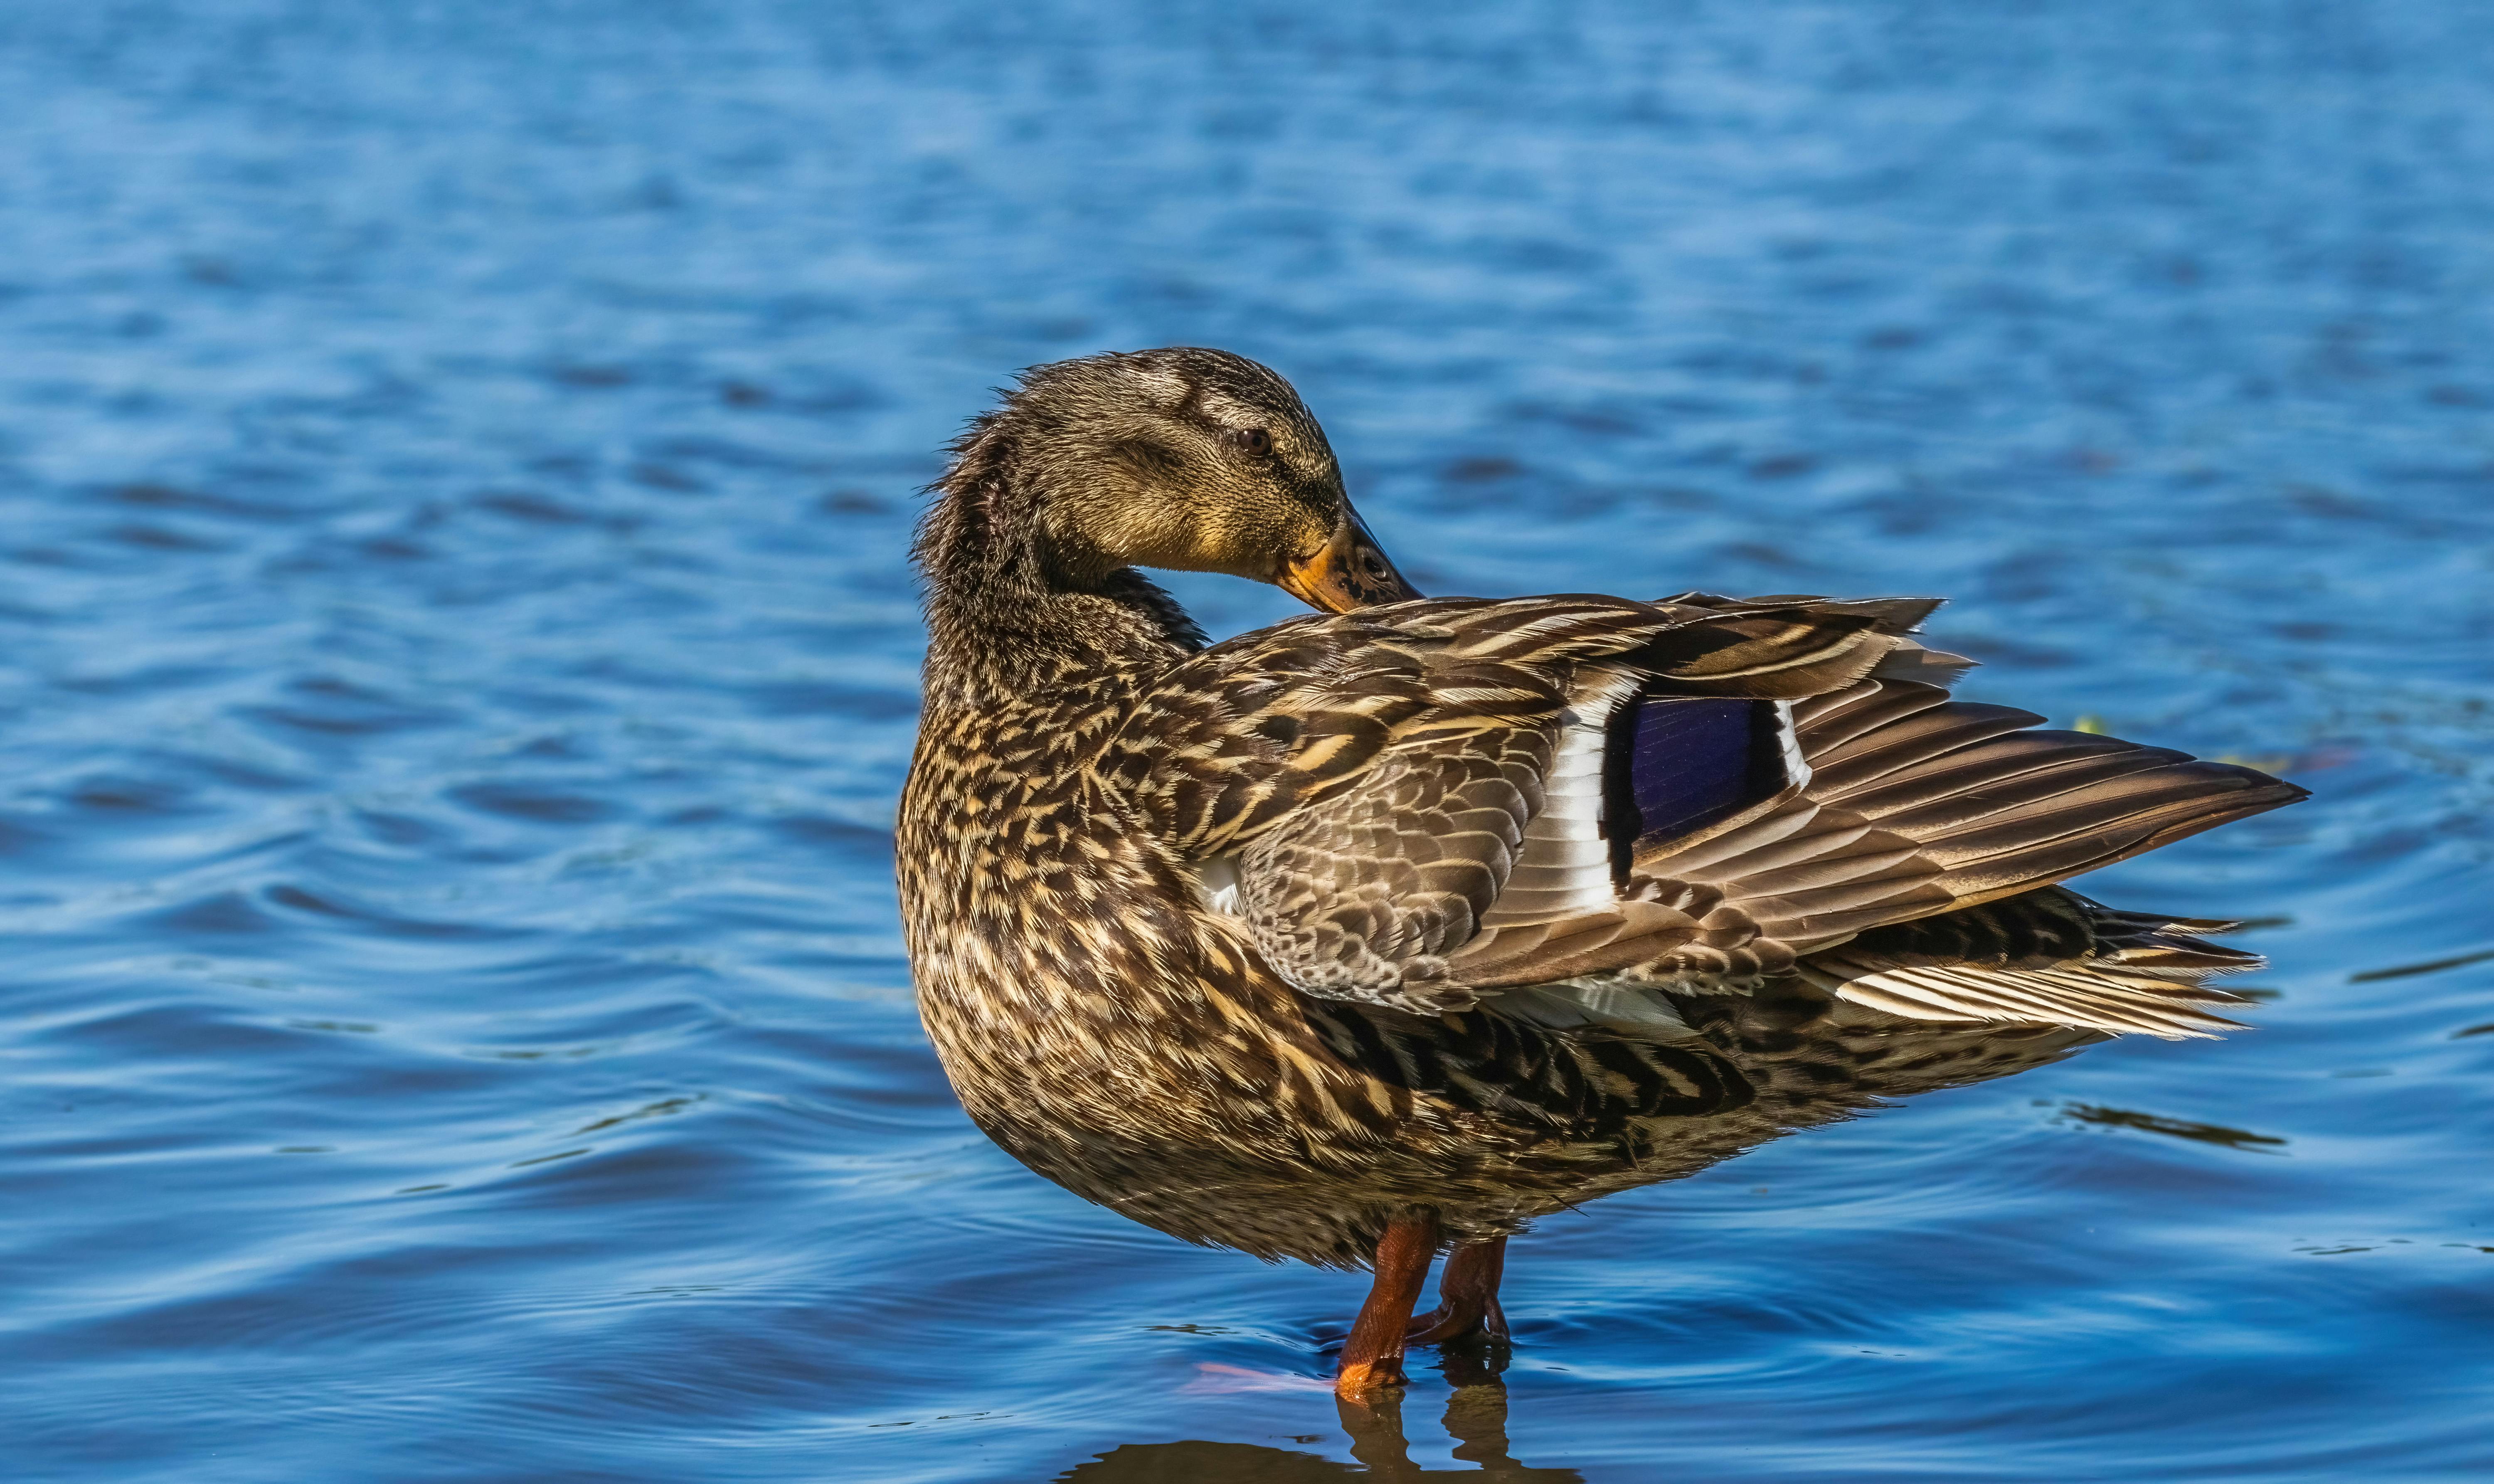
[(1475, 1417)]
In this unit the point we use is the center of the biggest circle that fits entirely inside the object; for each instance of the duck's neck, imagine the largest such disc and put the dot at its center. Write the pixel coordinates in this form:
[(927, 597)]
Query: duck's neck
[(1011, 616)]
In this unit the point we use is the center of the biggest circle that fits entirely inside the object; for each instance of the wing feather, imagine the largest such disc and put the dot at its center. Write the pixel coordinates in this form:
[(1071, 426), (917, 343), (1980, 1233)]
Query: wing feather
[(1917, 805), (1417, 804)]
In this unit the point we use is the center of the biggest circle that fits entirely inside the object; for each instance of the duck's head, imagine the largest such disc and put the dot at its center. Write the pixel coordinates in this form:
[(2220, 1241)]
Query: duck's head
[(1184, 459)]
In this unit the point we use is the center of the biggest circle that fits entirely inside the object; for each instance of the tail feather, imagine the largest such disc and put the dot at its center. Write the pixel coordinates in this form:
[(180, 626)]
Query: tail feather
[(2093, 1000), (2048, 955)]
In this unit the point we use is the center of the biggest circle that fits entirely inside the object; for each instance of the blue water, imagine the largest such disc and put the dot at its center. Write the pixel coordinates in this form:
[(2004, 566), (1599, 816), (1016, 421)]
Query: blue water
[(456, 663)]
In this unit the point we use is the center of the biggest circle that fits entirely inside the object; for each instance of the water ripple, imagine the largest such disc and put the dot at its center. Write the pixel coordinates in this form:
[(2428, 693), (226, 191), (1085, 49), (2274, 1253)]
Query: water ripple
[(457, 467)]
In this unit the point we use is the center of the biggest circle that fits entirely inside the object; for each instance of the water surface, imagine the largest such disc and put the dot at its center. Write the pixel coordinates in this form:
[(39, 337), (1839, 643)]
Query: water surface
[(456, 663)]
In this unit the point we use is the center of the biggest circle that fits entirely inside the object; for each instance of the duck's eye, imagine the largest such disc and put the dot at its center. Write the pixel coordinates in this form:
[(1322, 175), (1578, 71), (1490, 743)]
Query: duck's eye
[(1253, 441)]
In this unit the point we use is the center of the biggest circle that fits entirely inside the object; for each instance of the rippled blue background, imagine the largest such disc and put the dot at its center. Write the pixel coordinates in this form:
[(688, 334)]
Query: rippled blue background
[(456, 661)]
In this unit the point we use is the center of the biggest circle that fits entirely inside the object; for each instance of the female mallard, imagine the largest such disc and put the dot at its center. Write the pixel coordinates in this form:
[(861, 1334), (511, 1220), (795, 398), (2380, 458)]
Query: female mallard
[(1380, 931)]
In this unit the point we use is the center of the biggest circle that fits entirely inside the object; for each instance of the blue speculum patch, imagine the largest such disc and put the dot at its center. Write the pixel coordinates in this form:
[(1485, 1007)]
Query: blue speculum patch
[(1679, 766)]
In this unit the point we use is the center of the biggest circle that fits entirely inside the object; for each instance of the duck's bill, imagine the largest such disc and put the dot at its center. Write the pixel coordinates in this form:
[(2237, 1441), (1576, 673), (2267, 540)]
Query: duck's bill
[(1349, 571)]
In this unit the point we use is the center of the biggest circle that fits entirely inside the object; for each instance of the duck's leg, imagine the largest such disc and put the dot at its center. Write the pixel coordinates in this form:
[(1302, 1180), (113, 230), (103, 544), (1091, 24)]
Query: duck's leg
[(1466, 1296), (1372, 1357)]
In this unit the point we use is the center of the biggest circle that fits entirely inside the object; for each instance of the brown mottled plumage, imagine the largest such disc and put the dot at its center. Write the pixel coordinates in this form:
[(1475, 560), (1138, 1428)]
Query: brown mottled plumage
[(1417, 920)]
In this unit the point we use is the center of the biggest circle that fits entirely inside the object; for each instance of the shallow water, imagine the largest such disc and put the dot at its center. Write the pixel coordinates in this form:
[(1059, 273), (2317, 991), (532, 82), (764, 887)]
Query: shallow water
[(454, 468)]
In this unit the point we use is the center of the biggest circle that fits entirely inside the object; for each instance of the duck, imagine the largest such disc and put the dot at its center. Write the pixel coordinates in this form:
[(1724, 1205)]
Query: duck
[(1386, 931)]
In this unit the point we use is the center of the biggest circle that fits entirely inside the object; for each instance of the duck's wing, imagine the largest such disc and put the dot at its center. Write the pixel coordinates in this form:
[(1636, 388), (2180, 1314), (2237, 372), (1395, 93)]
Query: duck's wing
[(1377, 793), (1424, 804)]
